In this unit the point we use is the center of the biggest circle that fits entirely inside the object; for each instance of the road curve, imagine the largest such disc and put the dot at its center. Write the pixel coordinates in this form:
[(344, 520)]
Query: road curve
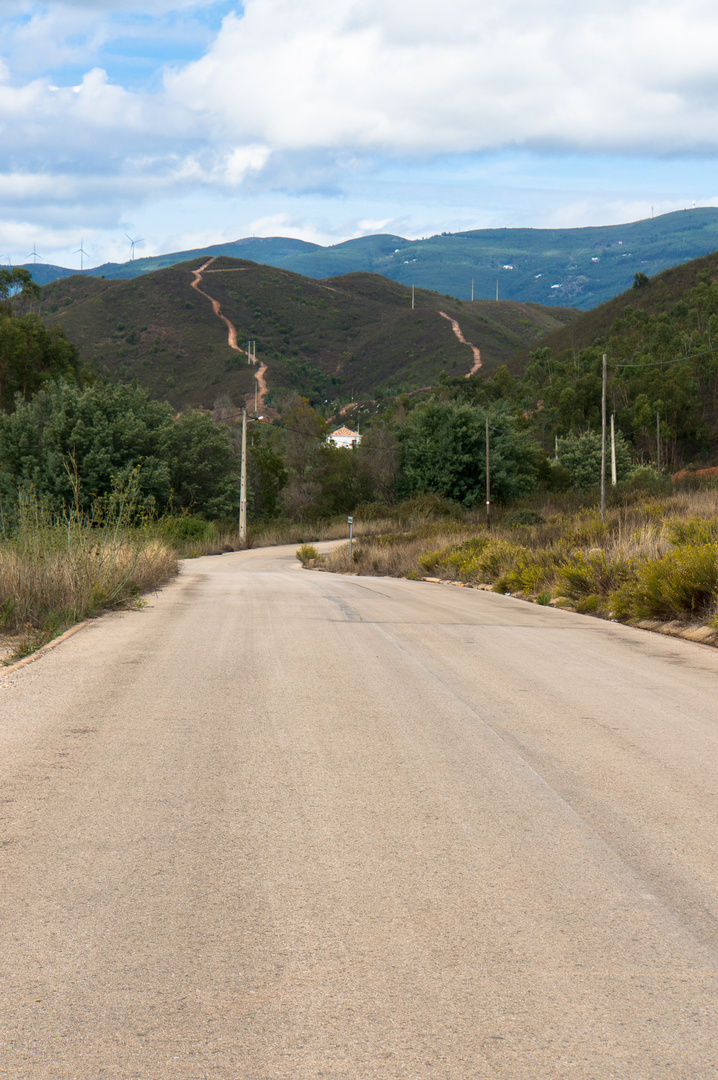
[(283, 825)]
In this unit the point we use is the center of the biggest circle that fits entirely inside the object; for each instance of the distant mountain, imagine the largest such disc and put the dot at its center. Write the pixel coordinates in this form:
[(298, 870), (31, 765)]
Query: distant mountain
[(557, 267), (351, 335)]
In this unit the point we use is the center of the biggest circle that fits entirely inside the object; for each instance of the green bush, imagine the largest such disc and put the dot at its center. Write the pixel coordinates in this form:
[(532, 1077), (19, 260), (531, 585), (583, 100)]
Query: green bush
[(180, 530), (591, 573), (681, 585), (307, 553), (692, 531)]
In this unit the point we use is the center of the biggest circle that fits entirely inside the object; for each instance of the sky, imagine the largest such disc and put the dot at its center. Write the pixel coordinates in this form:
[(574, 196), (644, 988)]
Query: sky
[(181, 123)]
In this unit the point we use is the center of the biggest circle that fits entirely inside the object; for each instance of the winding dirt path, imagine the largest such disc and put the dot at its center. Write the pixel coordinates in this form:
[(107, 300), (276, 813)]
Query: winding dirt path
[(231, 328), (457, 331)]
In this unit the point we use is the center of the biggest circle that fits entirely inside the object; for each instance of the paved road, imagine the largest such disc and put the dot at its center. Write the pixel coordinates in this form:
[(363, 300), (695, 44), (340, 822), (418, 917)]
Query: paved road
[(283, 825)]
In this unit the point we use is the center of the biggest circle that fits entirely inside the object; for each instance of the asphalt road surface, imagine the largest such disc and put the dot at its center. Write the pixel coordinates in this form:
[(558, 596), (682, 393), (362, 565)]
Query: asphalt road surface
[(284, 825)]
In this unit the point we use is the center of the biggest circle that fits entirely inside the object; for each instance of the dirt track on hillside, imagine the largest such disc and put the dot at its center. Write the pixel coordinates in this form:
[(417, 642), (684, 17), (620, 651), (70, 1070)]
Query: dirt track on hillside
[(231, 328)]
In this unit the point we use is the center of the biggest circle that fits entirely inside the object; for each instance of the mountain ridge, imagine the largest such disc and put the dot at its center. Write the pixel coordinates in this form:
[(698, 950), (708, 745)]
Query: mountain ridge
[(581, 267), (357, 333)]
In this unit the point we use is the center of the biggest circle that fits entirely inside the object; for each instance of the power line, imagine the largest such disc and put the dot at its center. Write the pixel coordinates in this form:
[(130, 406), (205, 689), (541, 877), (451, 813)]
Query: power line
[(660, 363)]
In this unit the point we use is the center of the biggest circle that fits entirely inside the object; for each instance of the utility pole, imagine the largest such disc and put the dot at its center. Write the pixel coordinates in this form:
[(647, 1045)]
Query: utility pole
[(497, 288), (472, 289), (412, 297), (603, 443), (613, 454), (243, 483), (488, 478), (658, 442), (256, 388)]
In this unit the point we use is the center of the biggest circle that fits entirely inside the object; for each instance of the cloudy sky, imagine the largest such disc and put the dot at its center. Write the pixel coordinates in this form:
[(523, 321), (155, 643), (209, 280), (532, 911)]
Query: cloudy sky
[(184, 122)]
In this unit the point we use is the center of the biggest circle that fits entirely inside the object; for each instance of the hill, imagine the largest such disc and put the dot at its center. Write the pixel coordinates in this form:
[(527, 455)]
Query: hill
[(656, 298), (661, 344), (556, 267), (331, 339)]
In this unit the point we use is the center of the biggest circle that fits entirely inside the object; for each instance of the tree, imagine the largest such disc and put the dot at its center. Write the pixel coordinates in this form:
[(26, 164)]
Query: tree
[(378, 461), (17, 280), (31, 356), (580, 455), (204, 469), (103, 433), (304, 434), (444, 452)]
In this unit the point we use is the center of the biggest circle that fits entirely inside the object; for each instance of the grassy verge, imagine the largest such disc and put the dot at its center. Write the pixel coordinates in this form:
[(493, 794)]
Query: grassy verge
[(654, 557), (56, 570)]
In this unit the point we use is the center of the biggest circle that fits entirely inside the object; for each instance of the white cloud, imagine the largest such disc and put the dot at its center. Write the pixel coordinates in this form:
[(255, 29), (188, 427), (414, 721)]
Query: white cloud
[(328, 118), (463, 75)]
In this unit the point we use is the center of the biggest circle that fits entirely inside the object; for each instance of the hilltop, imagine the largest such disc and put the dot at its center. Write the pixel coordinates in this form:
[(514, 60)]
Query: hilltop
[(331, 339), (556, 267)]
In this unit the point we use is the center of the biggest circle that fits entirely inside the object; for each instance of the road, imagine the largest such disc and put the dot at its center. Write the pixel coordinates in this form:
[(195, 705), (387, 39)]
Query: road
[(284, 825)]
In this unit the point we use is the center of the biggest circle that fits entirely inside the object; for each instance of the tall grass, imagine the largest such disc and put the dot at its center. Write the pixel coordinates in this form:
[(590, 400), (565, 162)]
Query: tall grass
[(59, 568), (655, 557)]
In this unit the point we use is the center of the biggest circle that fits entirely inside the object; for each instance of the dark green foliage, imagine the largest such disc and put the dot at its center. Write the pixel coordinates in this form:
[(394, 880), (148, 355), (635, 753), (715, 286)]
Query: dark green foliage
[(31, 356), (518, 518), (204, 471), (17, 281), (580, 456), (444, 451), (266, 472), (72, 444)]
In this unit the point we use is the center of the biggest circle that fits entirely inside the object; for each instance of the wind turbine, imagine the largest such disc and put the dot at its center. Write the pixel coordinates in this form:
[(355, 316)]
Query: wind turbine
[(83, 254), (35, 256), (132, 245)]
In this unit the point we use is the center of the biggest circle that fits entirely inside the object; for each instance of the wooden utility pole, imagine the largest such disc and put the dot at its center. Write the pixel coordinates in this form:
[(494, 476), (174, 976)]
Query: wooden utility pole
[(412, 297), (472, 289), (243, 483), (488, 478), (603, 442), (613, 453), (658, 442)]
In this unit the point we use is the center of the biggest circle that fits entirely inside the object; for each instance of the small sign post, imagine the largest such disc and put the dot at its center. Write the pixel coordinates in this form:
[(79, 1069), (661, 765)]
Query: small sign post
[(351, 535)]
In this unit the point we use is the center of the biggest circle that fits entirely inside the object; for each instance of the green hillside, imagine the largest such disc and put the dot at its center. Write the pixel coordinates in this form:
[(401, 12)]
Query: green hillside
[(656, 300), (556, 267), (332, 339), (661, 344)]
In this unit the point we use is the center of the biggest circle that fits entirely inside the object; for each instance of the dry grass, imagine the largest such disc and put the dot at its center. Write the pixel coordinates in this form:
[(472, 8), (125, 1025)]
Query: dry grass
[(57, 570), (655, 558)]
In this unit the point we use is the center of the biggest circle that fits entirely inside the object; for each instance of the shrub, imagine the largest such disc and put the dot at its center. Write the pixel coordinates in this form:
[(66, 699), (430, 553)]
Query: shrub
[(592, 573), (681, 585), (307, 553), (517, 518), (692, 530)]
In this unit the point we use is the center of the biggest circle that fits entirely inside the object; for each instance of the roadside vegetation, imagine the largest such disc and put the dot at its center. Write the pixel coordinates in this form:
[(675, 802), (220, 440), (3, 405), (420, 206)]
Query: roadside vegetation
[(103, 487), (654, 557), (58, 568)]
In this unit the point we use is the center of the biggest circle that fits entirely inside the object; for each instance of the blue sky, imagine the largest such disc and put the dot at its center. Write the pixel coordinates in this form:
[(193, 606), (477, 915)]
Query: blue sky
[(192, 121)]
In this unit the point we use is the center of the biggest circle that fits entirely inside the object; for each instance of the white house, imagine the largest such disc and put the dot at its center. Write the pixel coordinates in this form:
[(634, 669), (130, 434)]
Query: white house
[(344, 437)]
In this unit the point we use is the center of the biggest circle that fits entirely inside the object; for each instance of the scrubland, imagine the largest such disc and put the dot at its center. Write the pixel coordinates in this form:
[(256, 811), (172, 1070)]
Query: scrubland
[(654, 556)]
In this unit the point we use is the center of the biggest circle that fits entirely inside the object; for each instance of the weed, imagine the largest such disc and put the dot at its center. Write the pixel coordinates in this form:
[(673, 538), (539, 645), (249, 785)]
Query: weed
[(307, 553)]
